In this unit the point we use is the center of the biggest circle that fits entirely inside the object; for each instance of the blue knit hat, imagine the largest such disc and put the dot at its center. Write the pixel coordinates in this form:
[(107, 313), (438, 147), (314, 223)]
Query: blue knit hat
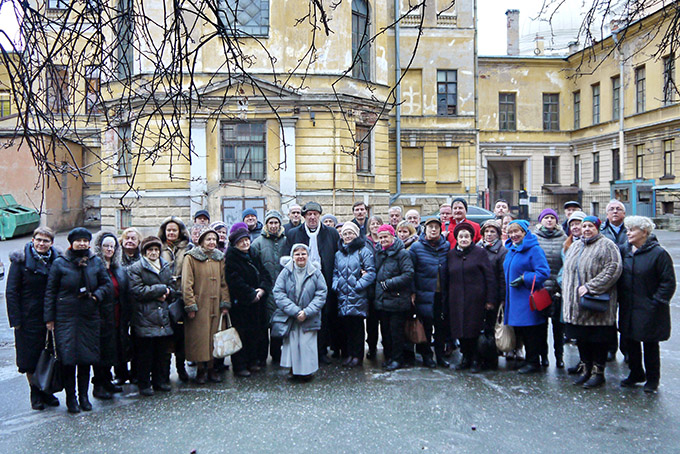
[(521, 223), (248, 212)]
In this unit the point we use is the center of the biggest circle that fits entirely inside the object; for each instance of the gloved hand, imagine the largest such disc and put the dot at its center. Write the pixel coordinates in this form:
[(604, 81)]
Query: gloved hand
[(383, 284), (517, 282)]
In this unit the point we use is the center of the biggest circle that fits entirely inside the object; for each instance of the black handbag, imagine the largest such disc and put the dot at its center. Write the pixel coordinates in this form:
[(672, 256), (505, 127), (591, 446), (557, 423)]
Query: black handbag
[(176, 310), (595, 303), (47, 376)]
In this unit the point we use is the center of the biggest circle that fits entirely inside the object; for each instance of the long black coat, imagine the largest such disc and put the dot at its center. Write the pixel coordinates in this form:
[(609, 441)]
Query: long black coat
[(472, 284), (77, 320), (25, 295), (394, 267), (496, 254), (645, 289), (109, 331), (327, 241)]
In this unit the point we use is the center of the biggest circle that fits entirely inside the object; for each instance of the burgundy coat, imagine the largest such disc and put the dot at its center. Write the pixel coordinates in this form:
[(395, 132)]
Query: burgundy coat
[(472, 284)]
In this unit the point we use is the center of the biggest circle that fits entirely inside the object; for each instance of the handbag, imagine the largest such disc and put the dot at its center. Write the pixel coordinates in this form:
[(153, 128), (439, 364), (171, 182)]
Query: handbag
[(226, 342), (47, 376), (540, 299), (504, 334), (414, 330), (595, 303), (176, 311)]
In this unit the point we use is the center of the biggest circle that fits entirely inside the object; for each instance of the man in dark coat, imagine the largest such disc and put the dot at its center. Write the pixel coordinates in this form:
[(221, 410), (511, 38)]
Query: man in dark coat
[(294, 216), (569, 208), (360, 211), (430, 267), (254, 226), (25, 296), (323, 244)]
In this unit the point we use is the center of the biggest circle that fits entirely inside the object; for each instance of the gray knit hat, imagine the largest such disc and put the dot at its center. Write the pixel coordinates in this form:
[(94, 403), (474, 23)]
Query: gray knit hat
[(273, 214)]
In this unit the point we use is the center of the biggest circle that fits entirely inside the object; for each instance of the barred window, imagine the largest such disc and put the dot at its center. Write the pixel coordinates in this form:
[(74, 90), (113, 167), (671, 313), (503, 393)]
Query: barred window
[(447, 92), (506, 112), (244, 151), (244, 17), (551, 111)]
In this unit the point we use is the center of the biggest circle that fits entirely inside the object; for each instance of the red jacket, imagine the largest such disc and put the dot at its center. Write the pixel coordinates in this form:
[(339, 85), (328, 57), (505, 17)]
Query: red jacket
[(452, 226)]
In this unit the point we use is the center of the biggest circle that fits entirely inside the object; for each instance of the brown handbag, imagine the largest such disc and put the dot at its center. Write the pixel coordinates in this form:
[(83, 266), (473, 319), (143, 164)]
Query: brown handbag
[(415, 332)]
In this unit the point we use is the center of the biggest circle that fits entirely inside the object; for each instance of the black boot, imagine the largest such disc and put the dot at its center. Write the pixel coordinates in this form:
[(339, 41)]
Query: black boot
[(181, 370), (70, 388), (100, 392), (597, 377), (83, 388), (49, 399), (633, 378), (36, 399), (584, 370)]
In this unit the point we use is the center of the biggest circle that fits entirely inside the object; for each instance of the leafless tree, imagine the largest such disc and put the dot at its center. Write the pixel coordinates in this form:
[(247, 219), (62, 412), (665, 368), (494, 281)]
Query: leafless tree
[(73, 78)]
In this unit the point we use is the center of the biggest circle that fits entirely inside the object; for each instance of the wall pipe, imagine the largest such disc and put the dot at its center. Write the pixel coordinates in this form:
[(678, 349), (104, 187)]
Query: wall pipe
[(397, 78)]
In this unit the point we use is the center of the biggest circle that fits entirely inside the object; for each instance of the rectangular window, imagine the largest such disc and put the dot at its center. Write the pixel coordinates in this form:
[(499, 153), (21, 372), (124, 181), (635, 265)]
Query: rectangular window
[(243, 151), (57, 89), (669, 88), (447, 92), (58, 4), (596, 167), (124, 159), (447, 165), (616, 165), (233, 207), (412, 164), (616, 97), (362, 145), (506, 112), (361, 43), (668, 146), (124, 219), (5, 104), (596, 103), (639, 161), (92, 87), (243, 17), (551, 169), (551, 111), (577, 170), (125, 50), (640, 89), (577, 109)]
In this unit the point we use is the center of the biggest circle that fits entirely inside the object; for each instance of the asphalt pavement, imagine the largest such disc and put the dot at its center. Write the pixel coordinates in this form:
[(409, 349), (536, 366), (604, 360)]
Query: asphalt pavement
[(359, 410)]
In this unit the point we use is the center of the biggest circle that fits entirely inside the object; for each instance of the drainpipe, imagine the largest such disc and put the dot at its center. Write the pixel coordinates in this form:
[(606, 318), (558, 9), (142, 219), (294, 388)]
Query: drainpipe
[(397, 77), (622, 149)]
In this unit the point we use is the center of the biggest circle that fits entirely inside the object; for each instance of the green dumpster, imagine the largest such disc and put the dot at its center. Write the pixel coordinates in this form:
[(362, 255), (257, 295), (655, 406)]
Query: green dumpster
[(15, 219)]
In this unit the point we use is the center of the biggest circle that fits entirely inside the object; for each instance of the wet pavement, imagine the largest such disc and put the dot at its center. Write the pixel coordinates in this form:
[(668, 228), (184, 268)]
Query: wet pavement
[(361, 410)]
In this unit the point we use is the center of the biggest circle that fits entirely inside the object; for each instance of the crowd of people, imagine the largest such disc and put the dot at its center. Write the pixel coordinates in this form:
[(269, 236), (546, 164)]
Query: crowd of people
[(314, 287)]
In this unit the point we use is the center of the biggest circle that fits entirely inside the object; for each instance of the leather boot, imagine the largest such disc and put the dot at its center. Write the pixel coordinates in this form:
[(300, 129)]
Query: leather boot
[(201, 376), (181, 370), (633, 378), (36, 399), (584, 370), (101, 393), (70, 388), (597, 377), (49, 399), (83, 388)]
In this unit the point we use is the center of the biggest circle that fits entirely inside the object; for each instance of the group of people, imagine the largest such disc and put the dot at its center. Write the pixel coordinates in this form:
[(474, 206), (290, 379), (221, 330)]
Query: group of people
[(122, 306)]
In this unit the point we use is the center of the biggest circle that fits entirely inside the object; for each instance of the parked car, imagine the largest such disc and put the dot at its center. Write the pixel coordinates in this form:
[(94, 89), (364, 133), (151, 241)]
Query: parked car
[(474, 213)]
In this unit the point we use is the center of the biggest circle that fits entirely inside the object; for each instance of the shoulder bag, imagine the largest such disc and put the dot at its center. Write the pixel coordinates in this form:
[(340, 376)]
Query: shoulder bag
[(47, 376), (593, 303), (539, 300), (504, 334), (226, 342)]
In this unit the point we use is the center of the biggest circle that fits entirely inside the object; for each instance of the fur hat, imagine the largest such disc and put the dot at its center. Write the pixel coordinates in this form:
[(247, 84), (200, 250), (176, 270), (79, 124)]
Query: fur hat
[(350, 227), (237, 232), (492, 223), (79, 233), (311, 206), (151, 241)]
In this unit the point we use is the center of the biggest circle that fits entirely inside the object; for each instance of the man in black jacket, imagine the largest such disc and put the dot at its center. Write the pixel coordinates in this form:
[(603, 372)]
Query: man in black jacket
[(360, 211), (323, 244)]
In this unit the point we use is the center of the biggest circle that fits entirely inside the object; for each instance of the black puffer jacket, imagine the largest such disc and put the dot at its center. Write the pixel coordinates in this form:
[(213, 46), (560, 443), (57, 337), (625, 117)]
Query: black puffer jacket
[(645, 289), (150, 316), (25, 295), (77, 318), (395, 268)]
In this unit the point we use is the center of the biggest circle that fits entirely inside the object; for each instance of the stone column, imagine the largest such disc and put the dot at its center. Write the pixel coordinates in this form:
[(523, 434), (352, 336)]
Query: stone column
[(199, 166), (287, 182)]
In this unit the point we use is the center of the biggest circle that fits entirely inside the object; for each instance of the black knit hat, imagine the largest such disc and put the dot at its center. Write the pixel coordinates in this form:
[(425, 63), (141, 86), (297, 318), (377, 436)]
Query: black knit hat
[(79, 233), (461, 200)]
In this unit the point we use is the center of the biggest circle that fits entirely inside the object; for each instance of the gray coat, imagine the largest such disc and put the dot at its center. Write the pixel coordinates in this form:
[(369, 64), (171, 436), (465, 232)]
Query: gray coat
[(268, 249), (150, 316), (595, 263), (311, 300), (348, 282)]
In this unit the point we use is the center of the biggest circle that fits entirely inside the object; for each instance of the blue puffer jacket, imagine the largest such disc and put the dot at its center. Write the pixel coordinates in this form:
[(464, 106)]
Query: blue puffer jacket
[(348, 282), (428, 260), (526, 259)]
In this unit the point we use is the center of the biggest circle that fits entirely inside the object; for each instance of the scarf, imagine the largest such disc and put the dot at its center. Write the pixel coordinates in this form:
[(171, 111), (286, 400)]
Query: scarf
[(314, 255), (591, 239), (155, 264), (487, 244), (41, 258)]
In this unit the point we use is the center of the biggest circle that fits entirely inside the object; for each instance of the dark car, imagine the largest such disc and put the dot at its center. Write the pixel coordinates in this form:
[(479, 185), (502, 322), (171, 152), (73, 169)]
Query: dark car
[(474, 213)]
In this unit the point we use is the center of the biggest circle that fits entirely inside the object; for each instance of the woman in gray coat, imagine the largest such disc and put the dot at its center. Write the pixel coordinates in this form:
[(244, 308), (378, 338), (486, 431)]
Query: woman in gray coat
[(353, 274), (592, 267), (300, 293)]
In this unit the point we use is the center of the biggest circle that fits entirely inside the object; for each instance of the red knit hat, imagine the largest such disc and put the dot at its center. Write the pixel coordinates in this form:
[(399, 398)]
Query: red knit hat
[(386, 228)]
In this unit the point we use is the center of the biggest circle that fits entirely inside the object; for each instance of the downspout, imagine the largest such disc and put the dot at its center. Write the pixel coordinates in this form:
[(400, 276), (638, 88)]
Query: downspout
[(478, 154), (622, 150), (397, 79)]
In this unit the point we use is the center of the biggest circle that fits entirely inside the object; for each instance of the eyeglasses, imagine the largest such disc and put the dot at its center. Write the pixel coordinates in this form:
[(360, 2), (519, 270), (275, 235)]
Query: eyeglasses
[(40, 240)]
